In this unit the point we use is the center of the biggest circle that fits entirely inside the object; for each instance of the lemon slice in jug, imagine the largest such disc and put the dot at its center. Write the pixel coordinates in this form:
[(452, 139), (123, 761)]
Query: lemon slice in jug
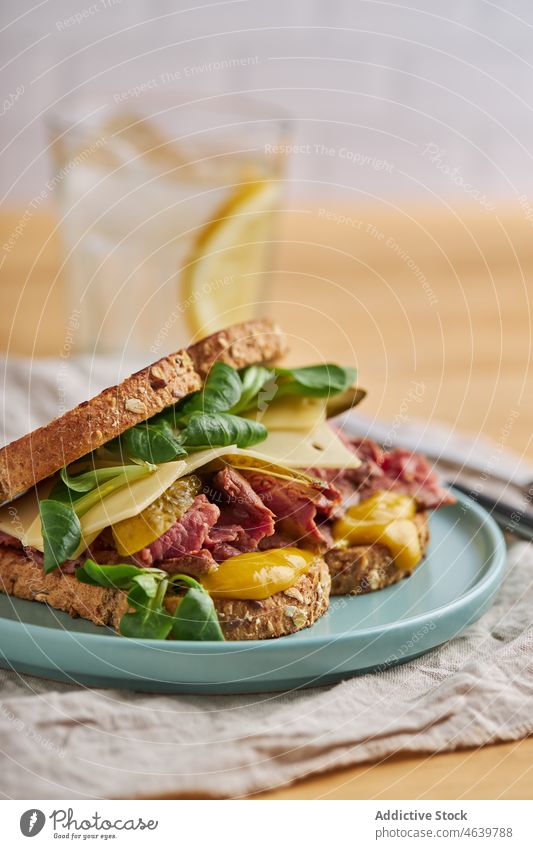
[(222, 281)]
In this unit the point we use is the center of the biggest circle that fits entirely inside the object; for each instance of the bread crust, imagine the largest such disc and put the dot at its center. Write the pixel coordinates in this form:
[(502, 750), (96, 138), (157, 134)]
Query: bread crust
[(281, 614), (284, 613), (92, 423), (257, 341), (367, 568), (22, 578)]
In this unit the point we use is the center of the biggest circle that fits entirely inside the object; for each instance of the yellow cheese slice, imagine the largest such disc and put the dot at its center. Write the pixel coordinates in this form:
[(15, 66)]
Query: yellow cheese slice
[(299, 436), (122, 504), (321, 448), (16, 517), (293, 413), (19, 515)]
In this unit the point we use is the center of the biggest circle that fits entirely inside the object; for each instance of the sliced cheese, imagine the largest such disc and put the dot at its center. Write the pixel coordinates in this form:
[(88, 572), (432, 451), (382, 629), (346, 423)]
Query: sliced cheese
[(321, 448), (17, 517), (293, 413), (125, 502), (299, 436), (122, 504)]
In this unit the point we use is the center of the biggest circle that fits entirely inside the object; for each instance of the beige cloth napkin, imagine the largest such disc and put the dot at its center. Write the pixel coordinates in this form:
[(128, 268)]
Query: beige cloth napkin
[(60, 741)]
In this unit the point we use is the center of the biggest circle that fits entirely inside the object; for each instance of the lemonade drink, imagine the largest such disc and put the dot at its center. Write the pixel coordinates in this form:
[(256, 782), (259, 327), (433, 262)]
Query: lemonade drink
[(164, 239)]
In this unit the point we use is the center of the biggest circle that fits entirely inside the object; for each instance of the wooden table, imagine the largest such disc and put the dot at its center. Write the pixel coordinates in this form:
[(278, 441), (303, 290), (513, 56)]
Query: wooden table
[(436, 297)]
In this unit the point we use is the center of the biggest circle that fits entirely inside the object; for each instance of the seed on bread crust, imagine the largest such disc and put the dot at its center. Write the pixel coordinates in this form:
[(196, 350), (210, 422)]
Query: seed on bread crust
[(157, 377), (134, 405), (292, 592), (297, 615)]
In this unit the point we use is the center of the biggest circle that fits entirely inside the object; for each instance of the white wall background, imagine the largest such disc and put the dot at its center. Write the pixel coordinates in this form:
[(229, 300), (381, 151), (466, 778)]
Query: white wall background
[(383, 79)]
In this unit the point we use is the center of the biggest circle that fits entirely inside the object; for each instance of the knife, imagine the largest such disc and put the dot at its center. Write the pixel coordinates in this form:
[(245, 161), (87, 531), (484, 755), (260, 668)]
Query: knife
[(510, 504)]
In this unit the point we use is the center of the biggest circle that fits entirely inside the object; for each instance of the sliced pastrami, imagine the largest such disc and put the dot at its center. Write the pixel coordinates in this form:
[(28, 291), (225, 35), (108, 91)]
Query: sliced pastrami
[(244, 519), (186, 536), (296, 506), (398, 469)]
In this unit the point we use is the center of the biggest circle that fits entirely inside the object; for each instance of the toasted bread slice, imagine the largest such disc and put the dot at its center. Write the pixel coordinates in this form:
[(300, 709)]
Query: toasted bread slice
[(257, 341), (39, 454), (366, 568), (44, 451), (283, 613)]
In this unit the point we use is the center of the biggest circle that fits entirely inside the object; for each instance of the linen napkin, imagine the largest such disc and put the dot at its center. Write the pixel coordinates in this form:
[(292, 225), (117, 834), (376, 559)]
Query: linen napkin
[(62, 741)]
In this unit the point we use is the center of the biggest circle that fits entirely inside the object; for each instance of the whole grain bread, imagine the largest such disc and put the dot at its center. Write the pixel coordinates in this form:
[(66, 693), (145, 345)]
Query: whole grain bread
[(21, 577), (278, 615), (257, 341), (44, 451), (367, 568), (283, 613)]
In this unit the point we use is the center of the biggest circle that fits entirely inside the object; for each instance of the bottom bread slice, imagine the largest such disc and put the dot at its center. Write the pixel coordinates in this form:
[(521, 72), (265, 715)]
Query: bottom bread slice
[(283, 613), (367, 568)]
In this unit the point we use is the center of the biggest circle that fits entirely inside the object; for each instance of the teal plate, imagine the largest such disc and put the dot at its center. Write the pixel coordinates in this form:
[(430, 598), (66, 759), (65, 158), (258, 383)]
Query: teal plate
[(452, 588)]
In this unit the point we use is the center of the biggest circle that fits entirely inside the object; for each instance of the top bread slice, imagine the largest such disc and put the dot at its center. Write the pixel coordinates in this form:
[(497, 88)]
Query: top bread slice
[(92, 423)]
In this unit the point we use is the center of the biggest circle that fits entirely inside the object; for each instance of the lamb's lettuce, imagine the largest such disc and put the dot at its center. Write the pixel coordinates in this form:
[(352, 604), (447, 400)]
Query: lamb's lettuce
[(153, 442), (195, 617), (61, 512), (222, 391), (209, 430), (61, 533), (319, 381)]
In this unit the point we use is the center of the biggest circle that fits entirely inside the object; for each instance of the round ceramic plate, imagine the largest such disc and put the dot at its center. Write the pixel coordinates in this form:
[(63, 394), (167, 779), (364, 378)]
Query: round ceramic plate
[(452, 588)]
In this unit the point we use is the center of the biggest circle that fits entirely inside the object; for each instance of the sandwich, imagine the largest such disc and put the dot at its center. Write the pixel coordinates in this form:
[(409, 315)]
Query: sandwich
[(208, 497)]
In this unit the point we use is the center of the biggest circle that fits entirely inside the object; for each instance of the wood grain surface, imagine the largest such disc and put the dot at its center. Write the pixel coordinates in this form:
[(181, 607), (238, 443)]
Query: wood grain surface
[(435, 299)]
